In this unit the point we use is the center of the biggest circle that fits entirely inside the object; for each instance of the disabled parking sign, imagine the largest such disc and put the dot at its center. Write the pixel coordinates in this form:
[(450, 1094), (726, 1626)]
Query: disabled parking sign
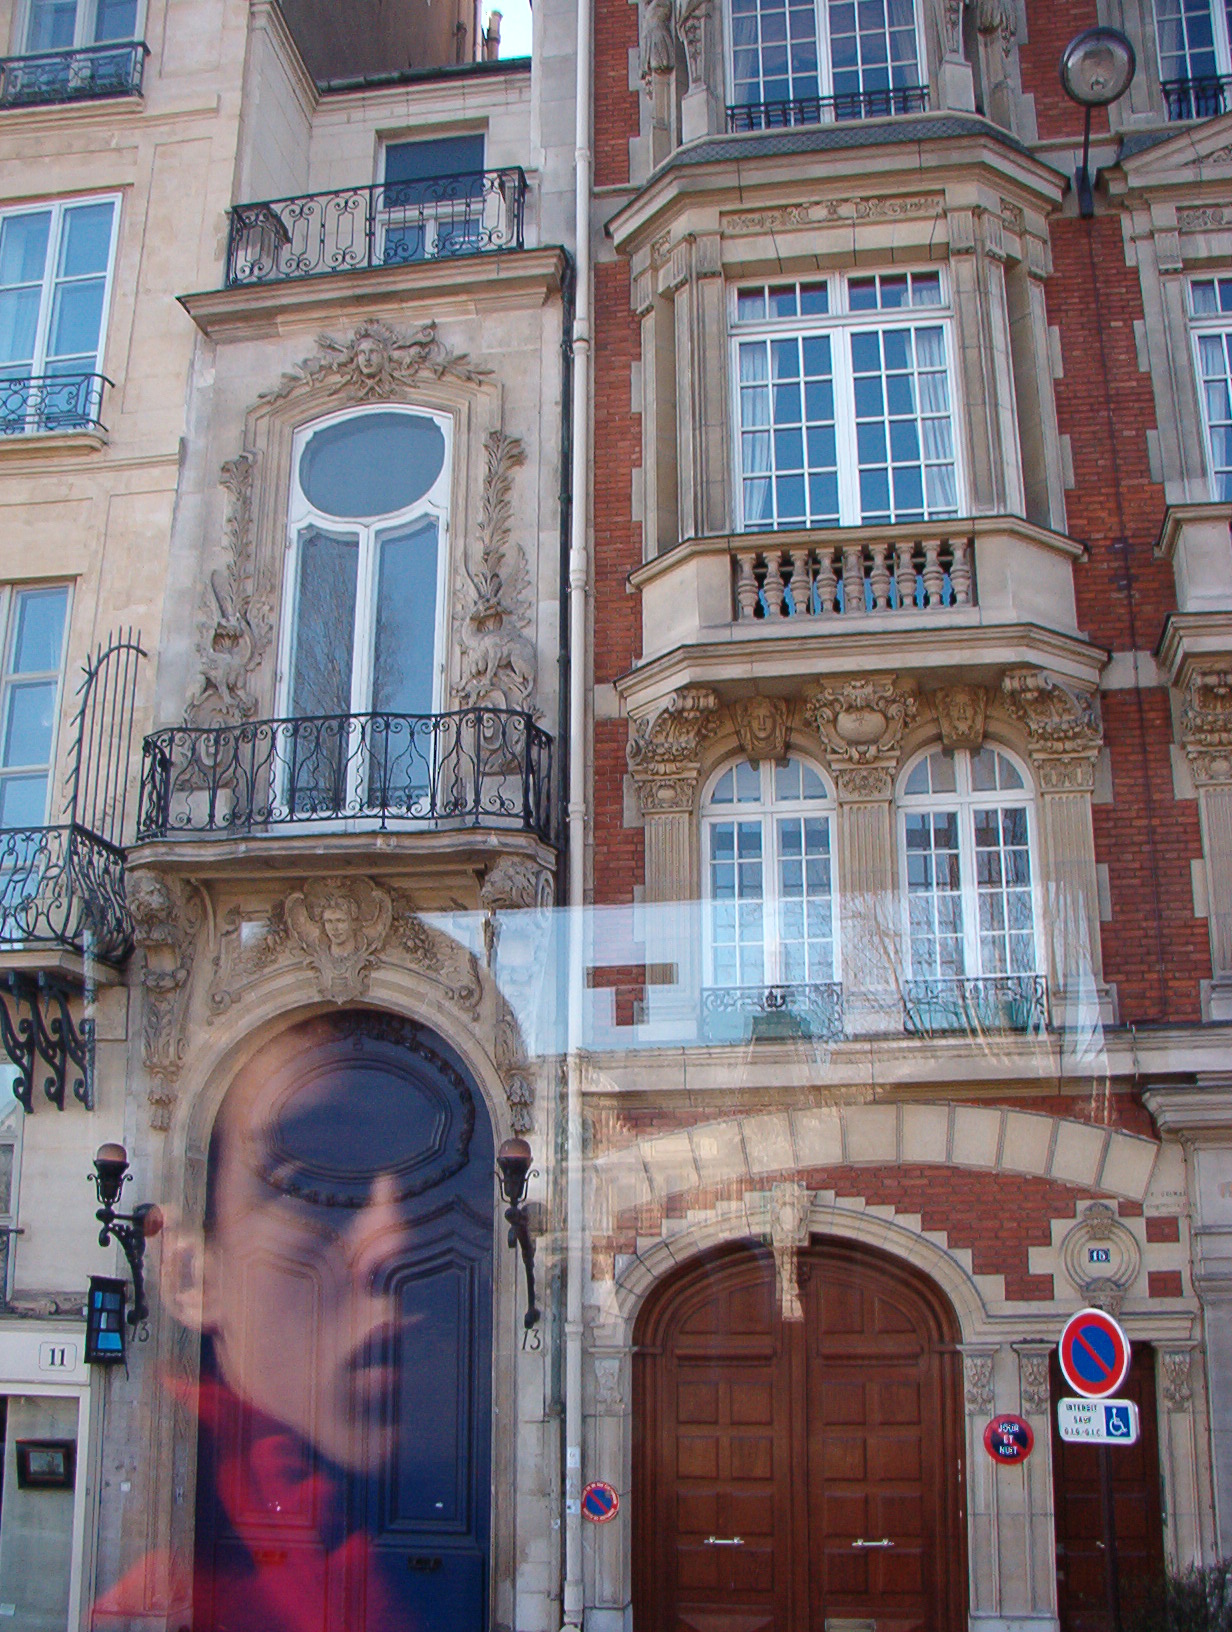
[(1094, 1354), (1098, 1422)]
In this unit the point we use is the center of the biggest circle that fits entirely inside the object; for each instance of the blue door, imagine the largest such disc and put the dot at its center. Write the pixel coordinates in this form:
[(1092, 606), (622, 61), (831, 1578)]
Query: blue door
[(345, 1405)]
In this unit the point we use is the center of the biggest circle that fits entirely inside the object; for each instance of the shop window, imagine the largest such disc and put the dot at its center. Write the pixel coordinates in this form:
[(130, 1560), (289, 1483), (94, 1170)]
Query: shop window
[(56, 263), (800, 60), (845, 410)]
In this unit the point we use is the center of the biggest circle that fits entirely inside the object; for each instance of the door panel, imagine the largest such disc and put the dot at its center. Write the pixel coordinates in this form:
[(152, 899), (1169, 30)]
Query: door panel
[(769, 1454)]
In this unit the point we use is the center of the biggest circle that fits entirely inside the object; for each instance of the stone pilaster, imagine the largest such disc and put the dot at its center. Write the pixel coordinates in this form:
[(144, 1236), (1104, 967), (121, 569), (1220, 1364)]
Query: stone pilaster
[(1206, 732), (695, 277)]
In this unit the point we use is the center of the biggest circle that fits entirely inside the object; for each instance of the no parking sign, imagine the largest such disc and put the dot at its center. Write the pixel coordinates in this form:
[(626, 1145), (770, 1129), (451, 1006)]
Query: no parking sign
[(1094, 1354), (600, 1502), (1008, 1439)]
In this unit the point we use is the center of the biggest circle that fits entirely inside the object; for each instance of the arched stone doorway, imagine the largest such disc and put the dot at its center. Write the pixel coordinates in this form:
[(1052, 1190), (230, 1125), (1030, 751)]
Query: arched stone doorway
[(344, 1459), (797, 1475)]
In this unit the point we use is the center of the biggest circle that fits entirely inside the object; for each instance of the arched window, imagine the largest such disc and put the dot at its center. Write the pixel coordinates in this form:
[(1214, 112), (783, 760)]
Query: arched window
[(767, 840), (966, 827), (363, 618)]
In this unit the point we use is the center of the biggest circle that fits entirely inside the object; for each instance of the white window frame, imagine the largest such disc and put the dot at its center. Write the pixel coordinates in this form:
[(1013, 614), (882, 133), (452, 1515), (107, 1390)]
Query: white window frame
[(303, 516), (825, 69), (35, 419), (1220, 37), (767, 811), (839, 323), (10, 595), (967, 800), (84, 23), (1205, 325)]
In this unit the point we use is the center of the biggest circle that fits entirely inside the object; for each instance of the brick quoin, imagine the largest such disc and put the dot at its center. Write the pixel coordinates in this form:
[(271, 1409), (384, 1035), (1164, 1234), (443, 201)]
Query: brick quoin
[(995, 1216)]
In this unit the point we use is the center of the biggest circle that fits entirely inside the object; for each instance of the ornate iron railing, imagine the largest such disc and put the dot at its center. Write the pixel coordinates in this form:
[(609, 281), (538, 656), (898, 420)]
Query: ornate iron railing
[(920, 570), (825, 110), (63, 887), (988, 1003), (478, 767), (1204, 98), (358, 228), (51, 402), (743, 1013), (47, 77)]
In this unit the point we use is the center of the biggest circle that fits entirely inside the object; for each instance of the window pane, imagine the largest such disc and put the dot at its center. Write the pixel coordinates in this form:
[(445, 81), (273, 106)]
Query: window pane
[(85, 240), (76, 319), (442, 156), (38, 630), (52, 24), (23, 247), (23, 801), (29, 723), (372, 464), (115, 20), (404, 663), (324, 625)]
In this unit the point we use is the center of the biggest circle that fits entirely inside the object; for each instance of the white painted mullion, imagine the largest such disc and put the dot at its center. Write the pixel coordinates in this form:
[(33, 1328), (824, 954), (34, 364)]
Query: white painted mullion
[(825, 71), (363, 644), (845, 426)]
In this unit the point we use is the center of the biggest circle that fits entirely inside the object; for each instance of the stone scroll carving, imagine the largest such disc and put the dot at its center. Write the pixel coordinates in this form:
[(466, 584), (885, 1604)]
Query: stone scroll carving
[(1206, 726), (239, 625), (1176, 1366), (664, 751), (861, 722), (789, 1214), (978, 1383), (1063, 726), (167, 914), (377, 363), (1033, 1384), (497, 656)]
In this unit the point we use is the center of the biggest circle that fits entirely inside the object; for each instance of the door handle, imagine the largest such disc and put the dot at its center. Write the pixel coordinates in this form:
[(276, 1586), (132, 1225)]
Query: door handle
[(723, 1541), (884, 1542)]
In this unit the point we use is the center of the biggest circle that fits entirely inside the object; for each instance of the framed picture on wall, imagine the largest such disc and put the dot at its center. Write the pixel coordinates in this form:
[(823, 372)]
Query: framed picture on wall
[(45, 1464)]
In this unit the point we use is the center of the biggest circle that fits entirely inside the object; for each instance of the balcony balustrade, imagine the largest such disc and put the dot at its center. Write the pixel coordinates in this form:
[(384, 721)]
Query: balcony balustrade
[(33, 403), (992, 1003), (747, 1013), (1204, 98), (63, 887), (824, 110), (849, 579), (362, 228), (48, 77), (477, 767)]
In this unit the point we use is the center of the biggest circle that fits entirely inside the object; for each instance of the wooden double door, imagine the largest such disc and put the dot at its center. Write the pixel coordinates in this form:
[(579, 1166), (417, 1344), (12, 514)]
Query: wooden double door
[(799, 1475)]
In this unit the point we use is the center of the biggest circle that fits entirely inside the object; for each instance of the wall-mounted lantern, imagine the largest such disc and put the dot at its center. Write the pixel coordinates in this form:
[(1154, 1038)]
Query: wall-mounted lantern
[(1097, 67), (514, 1159), (131, 1230)]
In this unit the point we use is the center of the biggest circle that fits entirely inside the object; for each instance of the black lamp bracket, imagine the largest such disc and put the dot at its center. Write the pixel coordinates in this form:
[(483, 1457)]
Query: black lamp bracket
[(518, 1221), (36, 1023), (130, 1231)]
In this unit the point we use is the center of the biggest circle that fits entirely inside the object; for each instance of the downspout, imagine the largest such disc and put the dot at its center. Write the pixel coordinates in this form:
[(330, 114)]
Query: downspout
[(579, 669)]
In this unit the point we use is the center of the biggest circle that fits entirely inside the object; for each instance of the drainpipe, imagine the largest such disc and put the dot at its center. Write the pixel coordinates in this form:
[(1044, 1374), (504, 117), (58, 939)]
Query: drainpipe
[(579, 670)]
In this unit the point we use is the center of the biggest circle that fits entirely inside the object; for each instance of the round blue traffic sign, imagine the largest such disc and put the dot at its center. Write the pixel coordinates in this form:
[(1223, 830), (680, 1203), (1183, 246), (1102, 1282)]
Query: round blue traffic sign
[(1094, 1354), (600, 1502)]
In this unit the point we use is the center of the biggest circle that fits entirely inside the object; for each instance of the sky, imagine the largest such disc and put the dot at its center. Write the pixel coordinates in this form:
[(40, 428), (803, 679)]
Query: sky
[(515, 25)]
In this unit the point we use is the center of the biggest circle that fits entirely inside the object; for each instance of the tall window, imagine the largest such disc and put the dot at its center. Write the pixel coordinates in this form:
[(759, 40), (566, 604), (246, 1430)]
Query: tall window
[(844, 59), (845, 410), (34, 622), (1194, 55), (362, 627), (55, 282), (966, 835), (435, 197), (767, 847), (60, 25), (1210, 307)]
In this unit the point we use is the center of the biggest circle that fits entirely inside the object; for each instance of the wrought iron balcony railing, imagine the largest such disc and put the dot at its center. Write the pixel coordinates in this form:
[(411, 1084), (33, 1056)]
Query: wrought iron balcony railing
[(743, 1013), (30, 403), (95, 71), (391, 224), (477, 767), (63, 887), (825, 110), (988, 1003), (1204, 98)]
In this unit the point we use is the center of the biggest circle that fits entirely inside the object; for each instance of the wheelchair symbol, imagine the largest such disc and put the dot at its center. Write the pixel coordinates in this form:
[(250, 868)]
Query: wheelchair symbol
[(1116, 1422)]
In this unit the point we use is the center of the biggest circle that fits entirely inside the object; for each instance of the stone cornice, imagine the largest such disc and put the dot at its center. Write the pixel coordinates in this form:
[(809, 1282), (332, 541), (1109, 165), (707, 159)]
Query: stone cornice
[(1192, 1110), (524, 277), (1192, 642)]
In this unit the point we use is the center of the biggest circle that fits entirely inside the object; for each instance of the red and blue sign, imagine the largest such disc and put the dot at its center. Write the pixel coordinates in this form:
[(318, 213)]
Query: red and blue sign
[(600, 1502), (1009, 1439), (1094, 1354)]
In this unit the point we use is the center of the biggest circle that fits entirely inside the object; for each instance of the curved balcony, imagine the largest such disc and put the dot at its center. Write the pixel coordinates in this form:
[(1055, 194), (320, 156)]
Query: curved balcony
[(1202, 98), (356, 229), (45, 78), (475, 768), (62, 887)]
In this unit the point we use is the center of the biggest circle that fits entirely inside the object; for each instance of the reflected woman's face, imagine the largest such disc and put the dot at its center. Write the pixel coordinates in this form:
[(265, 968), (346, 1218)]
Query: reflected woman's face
[(308, 1225)]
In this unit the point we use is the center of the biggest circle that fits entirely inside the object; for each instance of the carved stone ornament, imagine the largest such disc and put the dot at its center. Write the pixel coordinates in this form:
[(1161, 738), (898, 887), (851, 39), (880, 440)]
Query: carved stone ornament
[(239, 624), (658, 41), (509, 1052), (341, 926), (1176, 1365), (996, 17), (497, 657), (1064, 730), (167, 914), (1101, 1257), (515, 883), (761, 725), (977, 1379), (378, 362), (861, 722), (961, 711), (953, 28), (609, 1398), (1033, 1383), (1206, 725), (691, 16), (664, 751), (789, 1214)]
